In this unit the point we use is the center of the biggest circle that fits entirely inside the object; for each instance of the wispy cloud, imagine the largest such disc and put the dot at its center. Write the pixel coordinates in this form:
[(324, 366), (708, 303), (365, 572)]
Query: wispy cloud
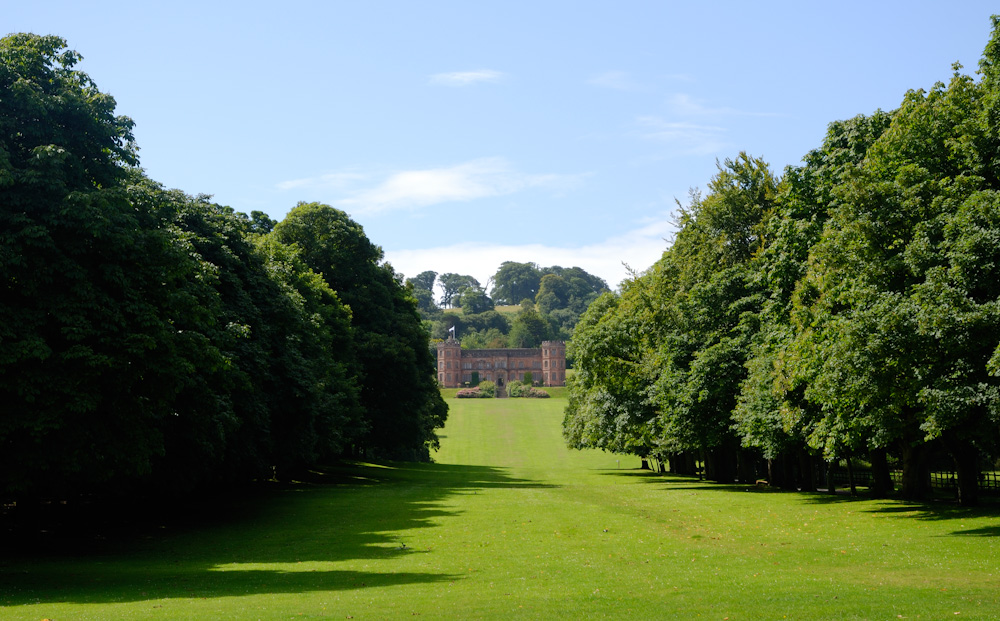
[(690, 126), (338, 180), (637, 249), (616, 80), (413, 189), (685, 105), (466, 78), (684, 136)]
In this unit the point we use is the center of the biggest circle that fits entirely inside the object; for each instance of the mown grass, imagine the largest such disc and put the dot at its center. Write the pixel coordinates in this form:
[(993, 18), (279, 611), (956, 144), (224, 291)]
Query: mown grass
[(510, 523)]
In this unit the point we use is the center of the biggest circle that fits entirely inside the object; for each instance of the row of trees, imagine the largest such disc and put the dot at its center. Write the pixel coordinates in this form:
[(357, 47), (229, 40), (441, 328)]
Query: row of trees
[(552, 300), (849, 309), (148, 337)]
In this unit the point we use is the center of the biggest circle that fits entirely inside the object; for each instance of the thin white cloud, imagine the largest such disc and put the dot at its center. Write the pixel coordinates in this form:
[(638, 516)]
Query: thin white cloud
[(683, 136), (466, 78), (638, 249), (481, 178), (338, 180), (615, 80)]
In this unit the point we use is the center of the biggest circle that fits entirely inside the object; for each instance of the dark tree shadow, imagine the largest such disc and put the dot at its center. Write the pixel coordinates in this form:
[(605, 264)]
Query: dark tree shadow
[(938, 508), (91, 552)]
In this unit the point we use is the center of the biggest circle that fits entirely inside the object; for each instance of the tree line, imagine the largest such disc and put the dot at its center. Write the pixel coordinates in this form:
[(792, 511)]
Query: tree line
[(152, 338), (849, 309), (551, 300)]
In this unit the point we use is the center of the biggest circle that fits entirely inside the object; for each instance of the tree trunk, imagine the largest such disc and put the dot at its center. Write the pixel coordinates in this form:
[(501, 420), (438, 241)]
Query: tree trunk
[(787, 465), (720, 464), (915, 484), (808, 479), (881, 478), (831, 483), (850, 477), (967, 465), (690, 463), (746, 466), (644, 465), (966, 458), (773, 478)]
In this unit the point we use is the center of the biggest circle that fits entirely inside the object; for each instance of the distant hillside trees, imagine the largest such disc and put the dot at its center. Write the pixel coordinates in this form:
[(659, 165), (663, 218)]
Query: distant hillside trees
[(846, 311), (553, 299), (151, 338), (514, 282)]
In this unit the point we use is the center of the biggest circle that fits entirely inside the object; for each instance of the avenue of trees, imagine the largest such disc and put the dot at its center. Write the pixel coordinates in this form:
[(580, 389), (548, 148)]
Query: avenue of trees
[(552, 299), (847, 310), (151, 338)]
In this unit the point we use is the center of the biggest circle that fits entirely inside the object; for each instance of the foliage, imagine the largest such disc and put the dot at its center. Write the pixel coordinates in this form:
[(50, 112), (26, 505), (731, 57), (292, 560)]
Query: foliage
[(528, 329), (398, 387), (474, 300), (422, 288), (150, 338), (524, 389), (849, 310), (491, 338), (454, 285), (514, 282), (487, 389)]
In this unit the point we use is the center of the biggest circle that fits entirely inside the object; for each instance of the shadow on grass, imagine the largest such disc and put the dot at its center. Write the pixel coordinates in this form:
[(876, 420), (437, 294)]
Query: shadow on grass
[(285, 538), (941, 508)]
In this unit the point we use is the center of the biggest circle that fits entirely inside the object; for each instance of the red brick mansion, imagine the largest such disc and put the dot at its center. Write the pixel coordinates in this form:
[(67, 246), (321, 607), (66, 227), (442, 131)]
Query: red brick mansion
[(546, 365)]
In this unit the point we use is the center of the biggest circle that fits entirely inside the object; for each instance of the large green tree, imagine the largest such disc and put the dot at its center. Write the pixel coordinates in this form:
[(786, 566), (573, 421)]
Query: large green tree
[(453, 285), (76, 325), (402, 405), (515, 282)]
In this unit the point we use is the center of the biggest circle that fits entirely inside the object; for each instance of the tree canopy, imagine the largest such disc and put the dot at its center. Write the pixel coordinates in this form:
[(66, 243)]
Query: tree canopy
[(846, 310), (148, 337)]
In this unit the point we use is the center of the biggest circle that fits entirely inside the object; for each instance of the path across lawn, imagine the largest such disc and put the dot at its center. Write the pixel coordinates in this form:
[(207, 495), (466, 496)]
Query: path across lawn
[(508, 523)]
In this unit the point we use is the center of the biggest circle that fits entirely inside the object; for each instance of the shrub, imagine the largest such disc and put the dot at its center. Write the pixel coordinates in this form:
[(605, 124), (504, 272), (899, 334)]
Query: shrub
[(523, 389), (468, 393), (488, 389), (516, 389)]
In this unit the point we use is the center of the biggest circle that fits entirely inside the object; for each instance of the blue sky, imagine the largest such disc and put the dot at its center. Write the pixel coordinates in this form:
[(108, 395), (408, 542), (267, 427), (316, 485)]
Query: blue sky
[(464, 134)]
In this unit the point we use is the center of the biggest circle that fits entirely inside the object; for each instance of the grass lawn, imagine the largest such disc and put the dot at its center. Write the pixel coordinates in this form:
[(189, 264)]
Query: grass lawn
[(509, 523)]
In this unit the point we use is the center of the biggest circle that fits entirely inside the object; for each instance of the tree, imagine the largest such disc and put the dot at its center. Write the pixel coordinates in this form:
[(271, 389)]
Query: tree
[(398, 388), (772, 414), (528, 329), (423, 280), (474, 300), (553, 293), (582, 287), (887, 299), (514, 282), (261, 223), (453, 286), (80, 273)]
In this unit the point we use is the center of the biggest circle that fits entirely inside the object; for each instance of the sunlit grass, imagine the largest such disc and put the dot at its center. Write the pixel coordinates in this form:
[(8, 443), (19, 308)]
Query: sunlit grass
[(510, 523)]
